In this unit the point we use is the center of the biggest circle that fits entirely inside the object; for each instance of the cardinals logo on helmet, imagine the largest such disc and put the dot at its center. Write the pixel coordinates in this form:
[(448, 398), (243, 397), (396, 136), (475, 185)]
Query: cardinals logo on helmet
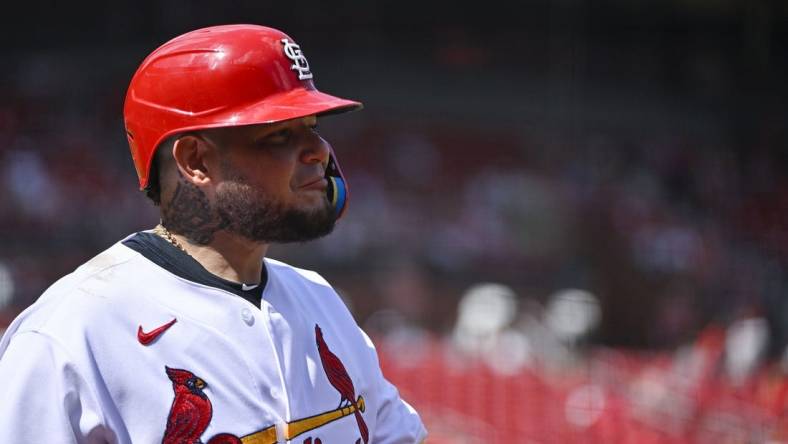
[(293, 52)]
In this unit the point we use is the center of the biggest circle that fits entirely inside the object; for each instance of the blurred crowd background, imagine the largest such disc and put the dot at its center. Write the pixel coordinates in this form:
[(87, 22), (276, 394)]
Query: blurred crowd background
[(568, 219)]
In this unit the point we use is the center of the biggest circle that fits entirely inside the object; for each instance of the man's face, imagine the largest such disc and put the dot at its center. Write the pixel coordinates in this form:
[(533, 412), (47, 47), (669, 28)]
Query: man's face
[(270, 186)]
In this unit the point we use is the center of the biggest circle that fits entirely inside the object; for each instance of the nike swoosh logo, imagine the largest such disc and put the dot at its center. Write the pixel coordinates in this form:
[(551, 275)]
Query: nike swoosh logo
[(146, 338), (246, 287)]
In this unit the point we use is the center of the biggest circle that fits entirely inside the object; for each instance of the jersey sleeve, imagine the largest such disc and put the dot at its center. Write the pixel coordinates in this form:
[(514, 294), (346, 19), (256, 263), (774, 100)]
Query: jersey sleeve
[(45, 399), (397, 421)]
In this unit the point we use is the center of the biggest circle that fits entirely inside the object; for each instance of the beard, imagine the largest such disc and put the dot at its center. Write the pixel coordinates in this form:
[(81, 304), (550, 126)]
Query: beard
[(244, 211)]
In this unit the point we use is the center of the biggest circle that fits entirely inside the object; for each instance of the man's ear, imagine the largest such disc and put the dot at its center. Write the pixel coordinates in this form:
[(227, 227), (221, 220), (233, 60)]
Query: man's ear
[(191, 155)]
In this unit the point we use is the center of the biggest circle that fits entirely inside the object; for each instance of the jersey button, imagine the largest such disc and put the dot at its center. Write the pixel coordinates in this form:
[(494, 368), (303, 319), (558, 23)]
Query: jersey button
[(275, 393), (247, 316)]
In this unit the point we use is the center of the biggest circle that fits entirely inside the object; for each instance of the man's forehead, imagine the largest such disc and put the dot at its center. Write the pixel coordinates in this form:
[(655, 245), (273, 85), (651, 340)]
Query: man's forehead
[(306, 120), (257, 128)]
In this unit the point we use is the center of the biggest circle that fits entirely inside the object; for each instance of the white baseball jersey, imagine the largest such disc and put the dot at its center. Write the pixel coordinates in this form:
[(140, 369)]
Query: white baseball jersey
[(142, 345)]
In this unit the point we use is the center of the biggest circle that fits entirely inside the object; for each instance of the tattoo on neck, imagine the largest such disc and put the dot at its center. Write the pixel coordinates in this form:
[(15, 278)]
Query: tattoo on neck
[(190, 213)]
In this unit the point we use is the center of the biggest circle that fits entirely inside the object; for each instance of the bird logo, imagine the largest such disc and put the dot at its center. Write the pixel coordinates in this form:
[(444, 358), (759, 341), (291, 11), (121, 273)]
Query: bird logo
[(338, 377), (191, 411)]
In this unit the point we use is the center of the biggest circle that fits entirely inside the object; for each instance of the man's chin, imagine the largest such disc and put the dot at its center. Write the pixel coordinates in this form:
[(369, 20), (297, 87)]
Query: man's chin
[(268, 221), (303, 227), (290, 226)]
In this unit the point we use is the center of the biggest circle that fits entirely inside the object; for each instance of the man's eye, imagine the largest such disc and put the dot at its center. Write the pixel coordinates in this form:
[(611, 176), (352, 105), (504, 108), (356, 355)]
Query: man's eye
[(280, 136)]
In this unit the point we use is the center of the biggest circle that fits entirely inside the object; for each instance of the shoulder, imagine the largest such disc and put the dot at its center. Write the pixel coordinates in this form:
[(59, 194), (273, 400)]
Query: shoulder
[(307, 285), (283, 270), (306, 289), (83, 297)]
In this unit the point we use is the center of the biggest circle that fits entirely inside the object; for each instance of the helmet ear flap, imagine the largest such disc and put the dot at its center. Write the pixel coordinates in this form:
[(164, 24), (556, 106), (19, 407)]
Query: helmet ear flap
[(337, 190), (337, 195)]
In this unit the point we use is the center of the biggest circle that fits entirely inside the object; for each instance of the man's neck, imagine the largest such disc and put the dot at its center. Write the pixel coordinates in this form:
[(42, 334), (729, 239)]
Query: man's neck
[(228, 256)]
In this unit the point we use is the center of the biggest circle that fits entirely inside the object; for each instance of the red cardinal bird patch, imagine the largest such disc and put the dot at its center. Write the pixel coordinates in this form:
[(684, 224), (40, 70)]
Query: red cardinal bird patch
[(191, 411), (340, 380)]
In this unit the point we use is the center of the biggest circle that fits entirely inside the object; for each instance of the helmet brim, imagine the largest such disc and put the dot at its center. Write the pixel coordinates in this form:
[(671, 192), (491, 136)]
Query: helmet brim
[(292, 104)]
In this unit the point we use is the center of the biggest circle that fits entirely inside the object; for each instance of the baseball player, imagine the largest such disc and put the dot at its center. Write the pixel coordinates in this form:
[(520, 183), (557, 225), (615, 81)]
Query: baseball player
[(186, 333)]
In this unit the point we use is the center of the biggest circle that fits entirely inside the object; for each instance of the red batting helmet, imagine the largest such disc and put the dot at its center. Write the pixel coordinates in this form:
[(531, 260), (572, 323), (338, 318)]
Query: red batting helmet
[(216, 77)]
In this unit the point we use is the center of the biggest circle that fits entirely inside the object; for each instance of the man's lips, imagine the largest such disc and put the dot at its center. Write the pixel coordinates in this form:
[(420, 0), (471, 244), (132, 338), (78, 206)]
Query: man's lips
[(317, 184)]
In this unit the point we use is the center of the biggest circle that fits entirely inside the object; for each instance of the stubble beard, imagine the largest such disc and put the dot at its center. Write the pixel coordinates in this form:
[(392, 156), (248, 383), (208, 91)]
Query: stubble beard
[(246, 212), (241, 209)]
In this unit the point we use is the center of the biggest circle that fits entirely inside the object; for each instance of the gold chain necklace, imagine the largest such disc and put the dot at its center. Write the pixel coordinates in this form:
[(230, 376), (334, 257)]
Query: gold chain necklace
[(165, 234)]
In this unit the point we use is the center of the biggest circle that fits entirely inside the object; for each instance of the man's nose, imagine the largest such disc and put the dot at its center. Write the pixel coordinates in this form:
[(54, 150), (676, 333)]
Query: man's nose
[(317, 150)]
